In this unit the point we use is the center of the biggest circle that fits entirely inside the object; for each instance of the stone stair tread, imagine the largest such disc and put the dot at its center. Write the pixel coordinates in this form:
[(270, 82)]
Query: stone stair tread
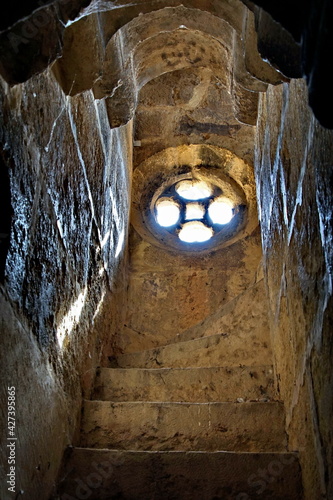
[(243, 316), (213, 350), (199, 384), (100, 474), (229, 318), (183, 425), (176, 342)]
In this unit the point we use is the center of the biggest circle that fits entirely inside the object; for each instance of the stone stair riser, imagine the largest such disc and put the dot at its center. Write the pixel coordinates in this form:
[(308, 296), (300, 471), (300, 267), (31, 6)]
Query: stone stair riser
[(183, 426), (216, 350), (189, 384), (107, 475)]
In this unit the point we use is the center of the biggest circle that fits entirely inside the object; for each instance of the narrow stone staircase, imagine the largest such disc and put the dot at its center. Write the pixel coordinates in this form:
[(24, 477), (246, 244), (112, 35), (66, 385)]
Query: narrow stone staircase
[(184, 421)]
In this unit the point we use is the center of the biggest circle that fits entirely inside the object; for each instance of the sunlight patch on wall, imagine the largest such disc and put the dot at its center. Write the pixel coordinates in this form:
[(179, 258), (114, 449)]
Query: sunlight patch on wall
[(71, 319)]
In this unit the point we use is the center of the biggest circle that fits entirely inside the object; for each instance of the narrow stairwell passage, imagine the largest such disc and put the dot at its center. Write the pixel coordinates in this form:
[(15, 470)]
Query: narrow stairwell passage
[(158, 428)]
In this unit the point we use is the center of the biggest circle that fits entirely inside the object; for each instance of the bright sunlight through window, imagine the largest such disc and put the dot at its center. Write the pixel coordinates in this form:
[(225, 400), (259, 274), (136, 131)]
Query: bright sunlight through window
[(220, 211), (195, 232), (167, 212), (194, 211), (194, 190)]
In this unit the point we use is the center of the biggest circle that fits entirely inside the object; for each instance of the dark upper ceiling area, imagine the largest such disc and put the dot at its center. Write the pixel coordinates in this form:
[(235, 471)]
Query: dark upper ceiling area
[(295, 41)]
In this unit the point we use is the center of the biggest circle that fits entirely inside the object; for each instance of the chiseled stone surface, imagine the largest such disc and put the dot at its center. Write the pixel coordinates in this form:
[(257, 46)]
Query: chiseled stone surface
[(110, 474), (245, 316), (214, 350), (188, 106), (294, 186), (69, 179), (170, 293), (185, 384), (37, 455), (183, 426)]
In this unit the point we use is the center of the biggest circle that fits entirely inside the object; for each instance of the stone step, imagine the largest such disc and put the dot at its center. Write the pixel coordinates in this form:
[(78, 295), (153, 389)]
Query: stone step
[(183, 426), (172, 475), (215, 350), (184, 384), (245, 316)]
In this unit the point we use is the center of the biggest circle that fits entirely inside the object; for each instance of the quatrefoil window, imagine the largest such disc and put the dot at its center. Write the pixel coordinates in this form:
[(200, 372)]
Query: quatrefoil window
[(194, 210)]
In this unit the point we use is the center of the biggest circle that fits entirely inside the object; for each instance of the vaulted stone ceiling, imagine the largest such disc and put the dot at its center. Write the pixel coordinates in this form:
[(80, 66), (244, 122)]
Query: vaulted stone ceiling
[(293, 41), (185, 74), (124, 57)]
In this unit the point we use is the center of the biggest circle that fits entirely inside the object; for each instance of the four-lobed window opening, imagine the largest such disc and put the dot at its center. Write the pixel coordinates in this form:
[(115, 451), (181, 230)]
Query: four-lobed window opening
[(195, 210)]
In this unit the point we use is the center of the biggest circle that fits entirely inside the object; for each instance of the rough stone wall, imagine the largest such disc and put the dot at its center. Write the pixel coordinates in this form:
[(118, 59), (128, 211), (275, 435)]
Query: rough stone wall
[(70, 184), (188, 106), (294, 158), (169, 294)]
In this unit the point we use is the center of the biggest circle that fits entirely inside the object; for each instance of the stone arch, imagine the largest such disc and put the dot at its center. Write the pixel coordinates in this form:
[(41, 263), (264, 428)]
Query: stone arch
[(295, 42), (163, 41)]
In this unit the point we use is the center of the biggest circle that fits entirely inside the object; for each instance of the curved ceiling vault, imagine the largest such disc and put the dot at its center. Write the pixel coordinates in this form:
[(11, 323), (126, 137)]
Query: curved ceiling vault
[(167, 48), (119, 62), (204, 54), (33, 35)]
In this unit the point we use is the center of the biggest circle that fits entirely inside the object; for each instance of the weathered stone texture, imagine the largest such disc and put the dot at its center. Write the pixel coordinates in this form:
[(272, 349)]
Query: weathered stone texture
[(169, 293), (41, 403), (294, 184), (107, 474), (197, 109), (185, 384), (70, 181), (214, 350), (187, 73), (183, 426)]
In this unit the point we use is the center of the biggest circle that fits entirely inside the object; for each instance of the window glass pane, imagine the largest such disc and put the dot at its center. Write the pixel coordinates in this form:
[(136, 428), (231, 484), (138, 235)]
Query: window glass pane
[(194, 190), (194, 211), (195, 232), (220, 211), (167, 212)]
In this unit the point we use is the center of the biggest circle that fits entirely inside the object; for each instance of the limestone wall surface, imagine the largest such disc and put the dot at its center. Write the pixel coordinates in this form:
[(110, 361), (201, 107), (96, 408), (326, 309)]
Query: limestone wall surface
[(294, 158), (70, 184), (170, 293)]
